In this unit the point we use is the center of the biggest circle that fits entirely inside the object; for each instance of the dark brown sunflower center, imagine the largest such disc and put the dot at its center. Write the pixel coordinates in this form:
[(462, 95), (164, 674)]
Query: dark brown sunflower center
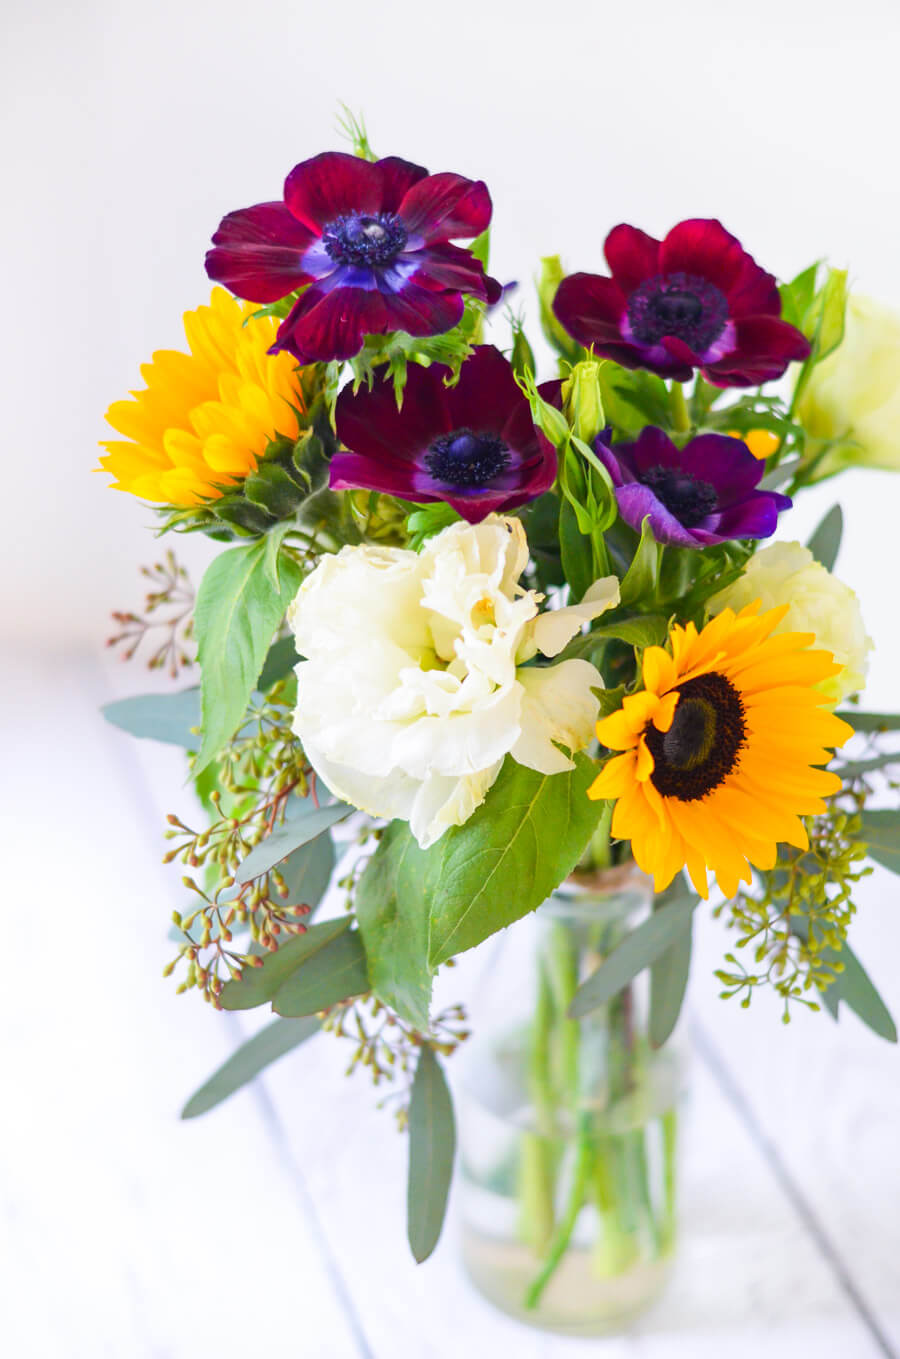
[(701, 747)]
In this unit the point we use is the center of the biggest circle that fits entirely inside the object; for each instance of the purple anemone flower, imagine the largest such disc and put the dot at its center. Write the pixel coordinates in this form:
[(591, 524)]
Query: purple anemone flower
[(473, 445), (694, 300), (695, 496), (368, 243)]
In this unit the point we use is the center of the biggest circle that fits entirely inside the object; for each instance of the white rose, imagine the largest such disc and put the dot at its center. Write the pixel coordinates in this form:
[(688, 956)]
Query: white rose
[(855, 392), (412, 692), (787, 573)]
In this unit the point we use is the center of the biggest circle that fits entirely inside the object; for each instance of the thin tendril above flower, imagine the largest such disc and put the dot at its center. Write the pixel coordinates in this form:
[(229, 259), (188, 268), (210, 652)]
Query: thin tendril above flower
[(369, 244)]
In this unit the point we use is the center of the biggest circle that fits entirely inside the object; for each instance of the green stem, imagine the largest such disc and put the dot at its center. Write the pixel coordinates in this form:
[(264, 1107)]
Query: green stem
[(538, 1163), (563, 1235), (678, 409), (670, 1142)]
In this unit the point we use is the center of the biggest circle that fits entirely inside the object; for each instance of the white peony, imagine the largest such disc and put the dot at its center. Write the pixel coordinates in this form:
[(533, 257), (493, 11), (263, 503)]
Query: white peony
[(412, 690), (787, 573)]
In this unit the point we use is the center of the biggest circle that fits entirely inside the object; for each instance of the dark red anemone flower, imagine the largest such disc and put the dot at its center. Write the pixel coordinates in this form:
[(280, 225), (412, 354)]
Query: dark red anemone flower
[(370, 245), (473, 445), (694, 300)]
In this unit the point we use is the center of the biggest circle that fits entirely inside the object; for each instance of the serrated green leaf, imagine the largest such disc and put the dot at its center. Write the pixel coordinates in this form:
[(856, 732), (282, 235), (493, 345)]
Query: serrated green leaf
[(825, 542), (243, 1066), (336, 972), (639, 582), (881, 833), (432, 1146), (260, 984), (392, 910), (280, 661), (236, 614), (509, 856), (299, 830), (637, 951), (159, 717)]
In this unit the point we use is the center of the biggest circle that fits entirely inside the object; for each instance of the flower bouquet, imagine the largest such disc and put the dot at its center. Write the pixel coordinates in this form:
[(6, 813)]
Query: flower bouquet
[(482, 644)]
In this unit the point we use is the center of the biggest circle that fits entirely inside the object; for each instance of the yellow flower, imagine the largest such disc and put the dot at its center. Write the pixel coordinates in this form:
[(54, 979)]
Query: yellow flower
[(815, 601), (719, 748), (205, 417), (761, 442)]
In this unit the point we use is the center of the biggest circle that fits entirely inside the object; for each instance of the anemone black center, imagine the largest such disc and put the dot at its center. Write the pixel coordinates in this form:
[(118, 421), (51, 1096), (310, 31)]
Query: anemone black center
[(701, 747), (364, 238), (681, 305), (463, 458), (685, 496)]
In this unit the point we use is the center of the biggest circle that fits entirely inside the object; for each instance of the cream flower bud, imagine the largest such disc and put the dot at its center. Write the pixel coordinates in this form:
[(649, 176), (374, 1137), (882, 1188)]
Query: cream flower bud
[(413, 690), (854, 394), (787, 573)]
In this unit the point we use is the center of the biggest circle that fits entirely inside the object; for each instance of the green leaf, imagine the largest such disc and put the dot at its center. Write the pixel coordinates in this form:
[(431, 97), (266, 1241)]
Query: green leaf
[(669, 978), (854, 769), (259, 984), (280, 661), (797, 296), (780, 475), (610, 700), (830, 329), (638, 950), (826, 540), (869, 722), (250, 1059), (577, 556), (854, 987), (881, 832), (640, 579), (159, 717), (274, 539), (432, 1145), (302, 828), (334, 973), (392, 909), (509, 856), (307, 872), (645, 630), (237, 612)]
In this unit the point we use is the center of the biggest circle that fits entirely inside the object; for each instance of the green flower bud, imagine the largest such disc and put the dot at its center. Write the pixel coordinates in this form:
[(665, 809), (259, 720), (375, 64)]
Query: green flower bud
[(582, 400)]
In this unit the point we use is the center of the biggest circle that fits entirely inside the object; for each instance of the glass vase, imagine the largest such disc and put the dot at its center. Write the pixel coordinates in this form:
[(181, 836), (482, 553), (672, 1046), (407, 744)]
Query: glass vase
[(569, 1128)]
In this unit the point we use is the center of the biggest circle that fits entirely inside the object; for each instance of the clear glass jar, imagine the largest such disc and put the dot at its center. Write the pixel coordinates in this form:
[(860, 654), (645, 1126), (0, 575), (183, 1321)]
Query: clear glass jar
[(568, 1128)]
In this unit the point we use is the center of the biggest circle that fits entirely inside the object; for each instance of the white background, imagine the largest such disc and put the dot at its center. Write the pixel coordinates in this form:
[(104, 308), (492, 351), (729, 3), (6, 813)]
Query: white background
[(130, 130)]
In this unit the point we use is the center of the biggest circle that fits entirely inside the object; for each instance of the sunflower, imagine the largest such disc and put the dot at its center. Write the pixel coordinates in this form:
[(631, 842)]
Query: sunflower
[(719, 748), (206, 417)]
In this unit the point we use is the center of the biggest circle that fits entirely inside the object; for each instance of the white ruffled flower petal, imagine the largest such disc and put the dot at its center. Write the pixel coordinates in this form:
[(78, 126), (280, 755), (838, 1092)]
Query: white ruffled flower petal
[(410, 698), (558, 707), (552, 631)]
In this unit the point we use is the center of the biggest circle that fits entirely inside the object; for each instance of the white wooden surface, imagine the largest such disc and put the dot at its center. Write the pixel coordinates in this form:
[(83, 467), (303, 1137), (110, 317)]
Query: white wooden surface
[(275, 1225)]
